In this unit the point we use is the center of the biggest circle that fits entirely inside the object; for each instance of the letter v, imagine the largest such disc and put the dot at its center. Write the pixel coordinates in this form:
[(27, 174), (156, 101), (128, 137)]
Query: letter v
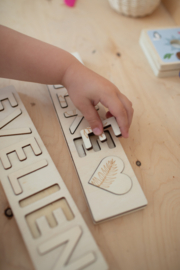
[(11, 132)]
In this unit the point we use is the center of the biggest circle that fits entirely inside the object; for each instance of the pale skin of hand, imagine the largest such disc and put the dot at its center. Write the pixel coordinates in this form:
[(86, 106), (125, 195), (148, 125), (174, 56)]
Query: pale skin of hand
[(28, 59)]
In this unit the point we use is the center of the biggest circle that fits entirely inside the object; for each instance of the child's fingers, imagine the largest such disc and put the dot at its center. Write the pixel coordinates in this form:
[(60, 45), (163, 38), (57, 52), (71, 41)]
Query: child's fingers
[(118, 110), (108, 114), (128, 106), (121, 108), (92, 116)]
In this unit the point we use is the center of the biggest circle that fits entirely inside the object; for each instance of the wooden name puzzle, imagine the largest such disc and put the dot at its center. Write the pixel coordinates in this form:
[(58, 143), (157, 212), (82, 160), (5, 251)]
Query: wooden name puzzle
[(54, 231), (106, 176)]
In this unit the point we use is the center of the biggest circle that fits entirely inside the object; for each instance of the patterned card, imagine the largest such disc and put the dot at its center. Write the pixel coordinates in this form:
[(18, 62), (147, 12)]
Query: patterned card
[(166, 43)]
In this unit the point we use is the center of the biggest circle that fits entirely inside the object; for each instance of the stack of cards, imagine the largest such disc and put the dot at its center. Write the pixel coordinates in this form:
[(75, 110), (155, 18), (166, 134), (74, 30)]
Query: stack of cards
[(162, 49)]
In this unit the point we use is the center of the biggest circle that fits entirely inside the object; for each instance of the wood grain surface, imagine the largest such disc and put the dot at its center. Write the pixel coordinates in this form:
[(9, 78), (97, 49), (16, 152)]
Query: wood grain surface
[(173, 7), (108, 43)]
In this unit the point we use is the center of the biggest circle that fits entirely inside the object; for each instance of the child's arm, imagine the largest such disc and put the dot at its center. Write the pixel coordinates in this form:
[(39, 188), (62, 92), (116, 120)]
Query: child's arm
[(28, 59)]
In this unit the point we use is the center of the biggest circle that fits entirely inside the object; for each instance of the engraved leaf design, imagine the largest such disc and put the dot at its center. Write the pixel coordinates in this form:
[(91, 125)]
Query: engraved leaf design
[(106, 175)]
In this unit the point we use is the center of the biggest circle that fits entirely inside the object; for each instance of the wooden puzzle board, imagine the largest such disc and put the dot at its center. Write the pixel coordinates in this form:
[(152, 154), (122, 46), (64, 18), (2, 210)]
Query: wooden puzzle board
[(54, 231), (103, 204)]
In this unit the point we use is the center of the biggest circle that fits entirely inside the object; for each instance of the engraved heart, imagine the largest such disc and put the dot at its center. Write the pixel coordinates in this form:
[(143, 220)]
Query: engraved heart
[(109, 176)]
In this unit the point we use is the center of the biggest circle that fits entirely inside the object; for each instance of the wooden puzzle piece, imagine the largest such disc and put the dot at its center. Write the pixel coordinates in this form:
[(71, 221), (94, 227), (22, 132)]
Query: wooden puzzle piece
[(112, 122), (86, 140), (18, 148), (15, 131), (13, 177), (70, 238), (10, 118), (57, 86), (62, 98), (43, 224), (106, 123), (79, 117), (11, 99), (80, 147), (95, 143), (109, 176), (11, 132), (59, 216)]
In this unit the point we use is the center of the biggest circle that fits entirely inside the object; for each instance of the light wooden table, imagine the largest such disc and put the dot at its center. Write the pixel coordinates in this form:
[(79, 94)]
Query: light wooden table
[(145, 240)]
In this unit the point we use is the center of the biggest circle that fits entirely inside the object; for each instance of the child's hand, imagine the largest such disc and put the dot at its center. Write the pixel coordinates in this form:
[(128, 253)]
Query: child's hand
[(28, 59), (87, 89)]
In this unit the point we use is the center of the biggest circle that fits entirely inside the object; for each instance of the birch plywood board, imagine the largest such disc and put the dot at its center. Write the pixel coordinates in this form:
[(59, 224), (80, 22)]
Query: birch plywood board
[(54, 232), (108, 181)]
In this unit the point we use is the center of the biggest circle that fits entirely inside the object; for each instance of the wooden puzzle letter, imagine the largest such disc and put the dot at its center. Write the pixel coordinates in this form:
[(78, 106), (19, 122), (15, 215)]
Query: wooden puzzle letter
[(18, 148), (70, 238), (79, 117), (10, 118), (61, 97), (13, 177), (43, 224), (112, 122), (59, 216), (86, 140), (11, 98), (10, 132), (77, 120), (57, 86), (107, 122), (15, 131)]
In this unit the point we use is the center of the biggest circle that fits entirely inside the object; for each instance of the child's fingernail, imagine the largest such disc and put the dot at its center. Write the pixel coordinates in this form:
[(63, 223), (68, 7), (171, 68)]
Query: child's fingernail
[(97, 131)]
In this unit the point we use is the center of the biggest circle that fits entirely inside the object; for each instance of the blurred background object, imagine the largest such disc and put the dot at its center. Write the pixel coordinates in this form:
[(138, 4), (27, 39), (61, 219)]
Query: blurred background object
[(70, 3), (134, 8)]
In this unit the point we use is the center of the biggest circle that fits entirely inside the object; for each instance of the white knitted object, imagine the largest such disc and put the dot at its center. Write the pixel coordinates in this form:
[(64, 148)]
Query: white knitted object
[(134, 8)]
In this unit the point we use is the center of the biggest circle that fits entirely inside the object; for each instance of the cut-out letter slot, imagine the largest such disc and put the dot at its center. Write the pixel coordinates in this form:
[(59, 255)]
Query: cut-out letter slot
[(18, 148), (106, 123), (39, 195), (96, 146), (53, 217), (13, 177)]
